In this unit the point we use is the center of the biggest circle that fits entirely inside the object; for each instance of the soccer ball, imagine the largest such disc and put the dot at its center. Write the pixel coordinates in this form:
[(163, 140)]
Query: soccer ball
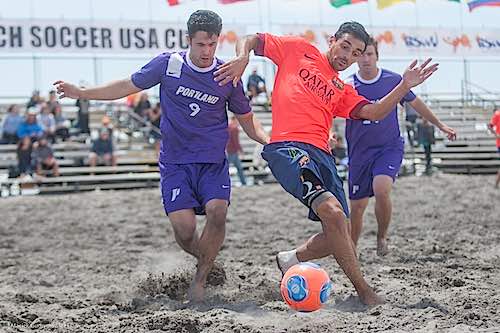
[(305, 287)]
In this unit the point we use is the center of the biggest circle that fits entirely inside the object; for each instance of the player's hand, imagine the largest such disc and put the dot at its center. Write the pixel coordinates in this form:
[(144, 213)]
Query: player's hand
[(65, 89), (450, 132), (231, 71), (415, 75), (332, 140)]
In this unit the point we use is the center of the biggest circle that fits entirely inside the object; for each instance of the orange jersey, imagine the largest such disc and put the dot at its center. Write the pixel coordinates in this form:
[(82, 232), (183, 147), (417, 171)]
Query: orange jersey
[(308, 92), (495, 123)]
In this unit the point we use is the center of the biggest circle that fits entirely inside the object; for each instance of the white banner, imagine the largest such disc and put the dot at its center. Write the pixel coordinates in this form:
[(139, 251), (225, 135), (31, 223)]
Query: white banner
[(103, 37), (403, 42)]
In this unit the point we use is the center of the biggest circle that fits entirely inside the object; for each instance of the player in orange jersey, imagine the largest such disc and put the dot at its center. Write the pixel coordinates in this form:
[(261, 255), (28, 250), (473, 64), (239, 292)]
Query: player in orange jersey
[(307, 95)]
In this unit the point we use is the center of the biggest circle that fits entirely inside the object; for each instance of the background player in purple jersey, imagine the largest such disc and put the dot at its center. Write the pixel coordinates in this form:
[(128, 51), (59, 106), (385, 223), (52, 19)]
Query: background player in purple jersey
[(375, 148), (193, 166)]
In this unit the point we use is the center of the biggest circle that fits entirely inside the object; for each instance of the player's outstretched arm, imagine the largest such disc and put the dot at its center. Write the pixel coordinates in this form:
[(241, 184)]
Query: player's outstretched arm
[(412, 77), (427, 113), (109, 91), (233, 69), (252, 127)]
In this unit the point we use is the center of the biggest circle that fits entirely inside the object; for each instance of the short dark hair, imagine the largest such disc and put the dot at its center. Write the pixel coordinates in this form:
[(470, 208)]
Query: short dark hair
[(373, 41), (355, 29), (204, 20)]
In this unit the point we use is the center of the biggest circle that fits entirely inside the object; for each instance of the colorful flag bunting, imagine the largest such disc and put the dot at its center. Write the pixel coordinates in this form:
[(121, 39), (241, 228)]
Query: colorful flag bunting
[(340, 3), (381, 4), (226, 2), (473, 4)]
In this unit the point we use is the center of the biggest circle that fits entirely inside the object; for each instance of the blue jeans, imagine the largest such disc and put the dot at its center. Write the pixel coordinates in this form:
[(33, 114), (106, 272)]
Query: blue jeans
[(234, 159)]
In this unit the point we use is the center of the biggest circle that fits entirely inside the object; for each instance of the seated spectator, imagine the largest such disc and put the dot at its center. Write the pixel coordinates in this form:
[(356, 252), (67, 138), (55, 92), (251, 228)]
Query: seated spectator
[(24, 150), (102, 151), (107, 125), (48, 123), (154, 119), (255, 85), (43, 157), (53, 103), (10, 125), (30, 127), (35, 99), (62, 124)]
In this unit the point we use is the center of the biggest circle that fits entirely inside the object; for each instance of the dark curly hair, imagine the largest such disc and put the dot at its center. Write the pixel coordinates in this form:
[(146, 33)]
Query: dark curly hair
[(204, 20), (355, 29)]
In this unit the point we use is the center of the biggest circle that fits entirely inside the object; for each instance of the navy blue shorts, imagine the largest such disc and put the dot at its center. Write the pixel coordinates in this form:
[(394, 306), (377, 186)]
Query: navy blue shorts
[(185, 186), (287, 161)]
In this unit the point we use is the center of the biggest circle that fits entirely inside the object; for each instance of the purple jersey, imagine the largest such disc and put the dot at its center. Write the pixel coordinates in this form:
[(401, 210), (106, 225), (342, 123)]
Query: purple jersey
[(194, 119), (366, 138)]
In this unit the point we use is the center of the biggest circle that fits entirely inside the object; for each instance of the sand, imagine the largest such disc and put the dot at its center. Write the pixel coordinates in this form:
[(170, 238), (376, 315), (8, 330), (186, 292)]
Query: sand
[(108, 262)]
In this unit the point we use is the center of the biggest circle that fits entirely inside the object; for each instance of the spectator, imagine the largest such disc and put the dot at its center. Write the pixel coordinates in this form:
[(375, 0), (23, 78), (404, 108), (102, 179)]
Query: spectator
[(107, 125), (30, 127), (494, 127), (155, 133), (411, 123), (83, 115), (48, 123), (339, 151), (10, 125), (35, 99), (24, 150), (255, 84), (132, 100), (143, 106), (53, 103), (43, 158), (102, 150), (62, 124), (233, 148), (426, 139)]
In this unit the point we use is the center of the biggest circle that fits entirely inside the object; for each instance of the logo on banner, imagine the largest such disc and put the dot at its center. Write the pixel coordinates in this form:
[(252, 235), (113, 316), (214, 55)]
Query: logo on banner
[(488, 43), (386, 37), (413, 41), (458, 41)]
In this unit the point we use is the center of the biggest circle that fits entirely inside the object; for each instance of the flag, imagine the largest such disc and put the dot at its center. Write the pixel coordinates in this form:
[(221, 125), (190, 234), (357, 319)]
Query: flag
[(179, 2), (473, 4), (227, 2), (382, 4), (340, 3)]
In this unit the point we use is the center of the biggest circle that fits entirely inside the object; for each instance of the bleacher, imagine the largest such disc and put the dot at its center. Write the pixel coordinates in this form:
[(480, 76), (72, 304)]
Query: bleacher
[(137, 165), (473, 152)]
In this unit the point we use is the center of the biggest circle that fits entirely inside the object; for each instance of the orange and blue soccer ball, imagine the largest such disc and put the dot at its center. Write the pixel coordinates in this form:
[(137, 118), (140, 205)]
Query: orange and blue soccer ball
[(305, 287)]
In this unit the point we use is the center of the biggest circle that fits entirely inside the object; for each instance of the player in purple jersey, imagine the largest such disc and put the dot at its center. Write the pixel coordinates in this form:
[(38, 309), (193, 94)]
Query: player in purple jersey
[(194, 170), (375, 148)]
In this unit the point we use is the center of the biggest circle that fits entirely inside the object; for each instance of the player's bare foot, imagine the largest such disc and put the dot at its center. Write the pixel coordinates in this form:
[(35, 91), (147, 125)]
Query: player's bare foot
[(196, 292), (371, 298), (382, 247)]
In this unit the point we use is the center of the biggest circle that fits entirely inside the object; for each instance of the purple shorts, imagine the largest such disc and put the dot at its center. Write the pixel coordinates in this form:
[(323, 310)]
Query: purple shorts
[(361, 176), (191, 186)]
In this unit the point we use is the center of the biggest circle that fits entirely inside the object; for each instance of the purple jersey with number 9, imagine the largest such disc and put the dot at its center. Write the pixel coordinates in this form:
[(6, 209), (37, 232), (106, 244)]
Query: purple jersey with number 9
[(194, 118)]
